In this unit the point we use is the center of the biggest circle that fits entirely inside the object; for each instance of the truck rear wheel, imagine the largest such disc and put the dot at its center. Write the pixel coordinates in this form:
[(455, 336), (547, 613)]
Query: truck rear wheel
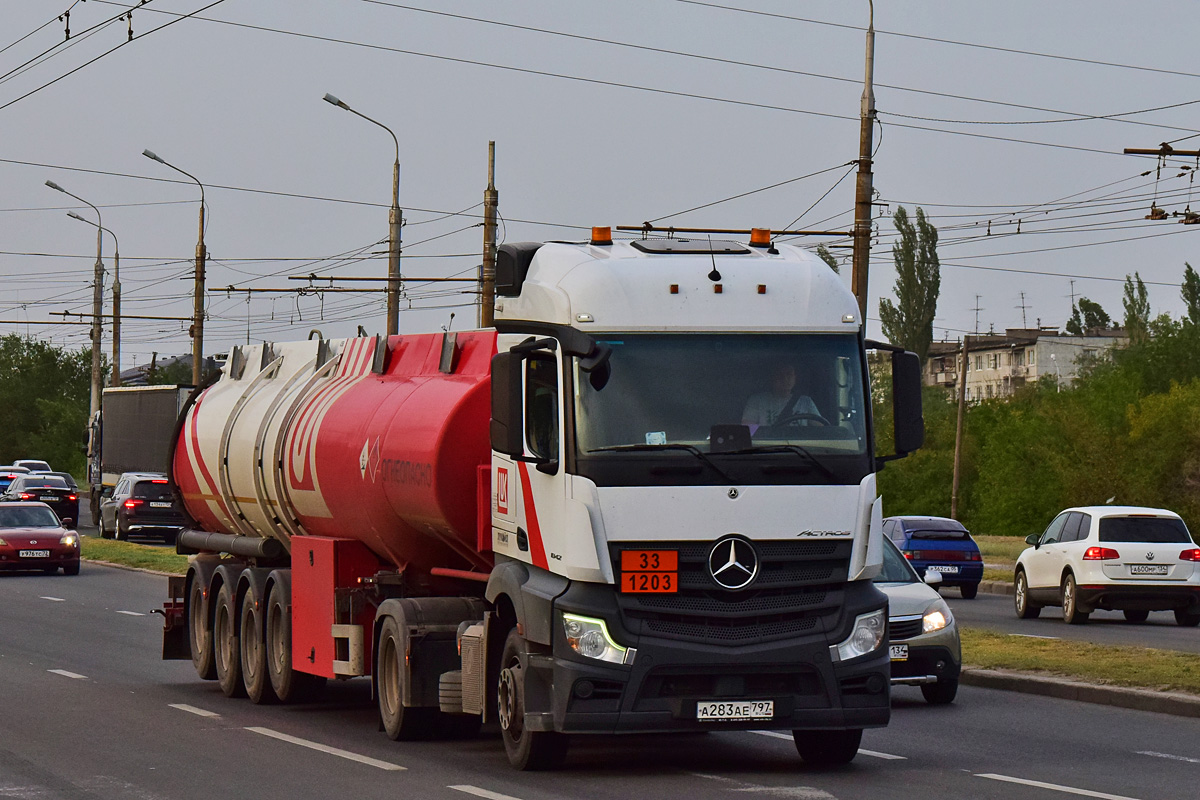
[(289, 685), (199, 631), (254, 649), (226, 648), (827, 748), (400, 722), (526, 749)]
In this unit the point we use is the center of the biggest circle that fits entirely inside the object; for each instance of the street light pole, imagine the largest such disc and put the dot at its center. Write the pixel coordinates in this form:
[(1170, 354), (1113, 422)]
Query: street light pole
[(97, 301), (394, 220), (198, 300), (116, 365)]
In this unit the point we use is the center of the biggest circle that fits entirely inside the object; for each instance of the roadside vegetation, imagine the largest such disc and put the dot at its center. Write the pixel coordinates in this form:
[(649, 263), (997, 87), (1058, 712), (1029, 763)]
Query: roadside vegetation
[(130, 554)]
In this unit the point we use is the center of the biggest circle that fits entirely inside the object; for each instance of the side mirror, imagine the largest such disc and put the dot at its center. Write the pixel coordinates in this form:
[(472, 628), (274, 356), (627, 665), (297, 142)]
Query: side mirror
[(933, 578), (506, 425), (1033, 539), (906, 402), (69, 524)]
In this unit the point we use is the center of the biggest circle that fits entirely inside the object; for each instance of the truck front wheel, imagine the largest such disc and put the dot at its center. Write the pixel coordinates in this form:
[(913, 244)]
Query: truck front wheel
[(526, 749), (827, 748)]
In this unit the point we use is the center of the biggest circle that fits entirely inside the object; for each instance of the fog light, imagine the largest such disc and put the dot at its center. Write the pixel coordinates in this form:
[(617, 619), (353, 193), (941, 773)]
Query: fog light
[(876, 684), (584, 689)]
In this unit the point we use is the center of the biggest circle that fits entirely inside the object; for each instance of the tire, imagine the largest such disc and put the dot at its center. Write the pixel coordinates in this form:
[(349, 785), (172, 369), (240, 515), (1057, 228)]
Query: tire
[(71, 569), (827, 748), (399, 722), (1136, 615), (969, 590), (1187, 618), (254, 650), (526, 749), (289, 685), (227, 651), (1070, 602), (200, 638), (941, 693), (1026, 608), (120, 537), (104, 532)]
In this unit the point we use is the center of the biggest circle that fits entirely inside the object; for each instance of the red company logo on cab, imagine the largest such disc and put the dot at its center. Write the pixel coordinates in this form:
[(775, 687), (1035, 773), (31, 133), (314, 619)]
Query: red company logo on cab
[(501, 490)]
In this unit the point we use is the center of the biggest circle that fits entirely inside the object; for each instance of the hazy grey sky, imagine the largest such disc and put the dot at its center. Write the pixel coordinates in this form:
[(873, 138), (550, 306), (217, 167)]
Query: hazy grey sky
[(294, 185)]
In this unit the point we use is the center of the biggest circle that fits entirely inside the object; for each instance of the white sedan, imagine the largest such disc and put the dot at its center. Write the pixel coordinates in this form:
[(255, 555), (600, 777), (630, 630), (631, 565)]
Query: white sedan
[(1126, 558)]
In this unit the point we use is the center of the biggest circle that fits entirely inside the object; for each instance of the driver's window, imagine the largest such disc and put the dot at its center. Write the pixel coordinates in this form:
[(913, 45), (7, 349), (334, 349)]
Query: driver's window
[(541, 406), (1054, 533)]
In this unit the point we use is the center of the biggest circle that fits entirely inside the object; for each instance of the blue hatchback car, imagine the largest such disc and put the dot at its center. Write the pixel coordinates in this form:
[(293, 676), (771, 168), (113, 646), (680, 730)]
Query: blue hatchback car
[(937, 544)]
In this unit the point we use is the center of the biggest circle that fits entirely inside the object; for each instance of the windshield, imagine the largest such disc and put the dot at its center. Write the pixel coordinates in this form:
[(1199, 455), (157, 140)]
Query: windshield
[(895, 568), (32, 516), (1145, 530), (726, 392), (152, 490)]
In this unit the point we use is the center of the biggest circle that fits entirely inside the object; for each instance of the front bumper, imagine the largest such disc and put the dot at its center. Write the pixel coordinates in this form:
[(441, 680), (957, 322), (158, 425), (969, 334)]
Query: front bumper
[(659, 691)]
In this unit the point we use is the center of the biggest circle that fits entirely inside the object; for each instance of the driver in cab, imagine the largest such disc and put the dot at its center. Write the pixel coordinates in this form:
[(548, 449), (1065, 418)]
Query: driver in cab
[(781, 404)]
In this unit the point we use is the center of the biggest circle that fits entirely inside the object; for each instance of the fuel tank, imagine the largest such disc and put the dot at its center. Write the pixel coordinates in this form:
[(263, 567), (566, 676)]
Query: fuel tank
[(379, 441)]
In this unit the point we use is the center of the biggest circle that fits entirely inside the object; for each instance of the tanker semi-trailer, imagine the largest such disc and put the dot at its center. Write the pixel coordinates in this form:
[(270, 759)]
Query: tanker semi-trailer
[(644, 501)]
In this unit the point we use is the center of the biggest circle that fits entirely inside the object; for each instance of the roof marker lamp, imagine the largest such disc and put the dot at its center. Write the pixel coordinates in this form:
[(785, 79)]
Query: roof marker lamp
[(589, 637), (865, 637)]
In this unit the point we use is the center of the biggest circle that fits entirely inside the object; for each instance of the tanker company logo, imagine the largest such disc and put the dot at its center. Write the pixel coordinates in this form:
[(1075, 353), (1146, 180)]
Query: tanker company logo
[(369, 460), (411, 473), (502, 490)]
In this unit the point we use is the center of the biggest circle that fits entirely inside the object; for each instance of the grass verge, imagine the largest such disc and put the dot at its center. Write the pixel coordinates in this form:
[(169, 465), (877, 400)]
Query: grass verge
[(133, 555), (1103, 664)]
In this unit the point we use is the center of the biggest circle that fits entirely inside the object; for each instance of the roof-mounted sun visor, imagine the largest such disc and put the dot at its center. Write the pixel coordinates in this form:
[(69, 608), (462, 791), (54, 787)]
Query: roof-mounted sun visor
[(688, 247), (512, 265)]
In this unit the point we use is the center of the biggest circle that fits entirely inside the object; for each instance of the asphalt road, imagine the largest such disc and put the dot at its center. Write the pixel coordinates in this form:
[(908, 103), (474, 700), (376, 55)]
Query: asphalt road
[(91, 712), (995, 612)]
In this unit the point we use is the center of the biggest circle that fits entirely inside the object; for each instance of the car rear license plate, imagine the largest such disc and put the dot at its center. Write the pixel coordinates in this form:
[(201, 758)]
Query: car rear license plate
[(898, 652), (724, 711), (34, 553), (946, 569), (47, 497), (1147, 569), (160, 505)]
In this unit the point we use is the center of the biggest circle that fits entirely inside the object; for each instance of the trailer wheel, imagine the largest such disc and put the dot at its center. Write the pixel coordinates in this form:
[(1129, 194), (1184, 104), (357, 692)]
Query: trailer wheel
[(289, 685), (226, 648), (254, 650), (199, 631), (401, 723), (526, 749)]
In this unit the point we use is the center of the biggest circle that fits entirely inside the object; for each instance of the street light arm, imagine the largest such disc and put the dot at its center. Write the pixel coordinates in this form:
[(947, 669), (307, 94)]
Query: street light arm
[(150, 155), (116, 244), (334, 101), (56, 187)]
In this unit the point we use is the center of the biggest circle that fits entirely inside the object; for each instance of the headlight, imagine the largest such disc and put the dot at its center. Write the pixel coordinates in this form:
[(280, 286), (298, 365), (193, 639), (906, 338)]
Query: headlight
[(70, 540), (866, 636), (3, 543), (937, 616), (589, 637)]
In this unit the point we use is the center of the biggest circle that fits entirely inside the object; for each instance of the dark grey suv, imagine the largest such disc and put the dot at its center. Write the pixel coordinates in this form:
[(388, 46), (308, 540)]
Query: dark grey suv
[(141, 504)]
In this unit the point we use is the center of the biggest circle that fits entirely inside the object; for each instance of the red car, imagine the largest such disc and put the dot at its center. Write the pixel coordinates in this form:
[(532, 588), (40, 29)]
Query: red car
[(33, 538)]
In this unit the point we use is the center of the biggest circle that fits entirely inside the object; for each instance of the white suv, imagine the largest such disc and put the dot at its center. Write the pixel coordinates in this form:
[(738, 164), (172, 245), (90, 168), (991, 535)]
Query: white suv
[(1126, 558)]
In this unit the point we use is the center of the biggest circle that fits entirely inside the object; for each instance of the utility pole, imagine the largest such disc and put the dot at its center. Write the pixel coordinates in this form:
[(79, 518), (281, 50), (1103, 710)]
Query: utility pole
[(116, 365), (864, 190), (487, 271), (958, 429)]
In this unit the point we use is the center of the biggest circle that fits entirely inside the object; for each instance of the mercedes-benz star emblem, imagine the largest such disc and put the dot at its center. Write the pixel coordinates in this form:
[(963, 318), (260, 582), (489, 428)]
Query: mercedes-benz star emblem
[(733, 562)]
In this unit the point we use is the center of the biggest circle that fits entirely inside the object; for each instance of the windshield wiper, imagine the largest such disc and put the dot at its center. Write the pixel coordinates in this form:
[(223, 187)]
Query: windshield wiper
[(697, 452), (787, 448)]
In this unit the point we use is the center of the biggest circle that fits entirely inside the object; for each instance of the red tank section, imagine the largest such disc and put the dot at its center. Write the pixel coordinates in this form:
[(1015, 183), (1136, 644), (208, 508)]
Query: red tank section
[(397, 455)]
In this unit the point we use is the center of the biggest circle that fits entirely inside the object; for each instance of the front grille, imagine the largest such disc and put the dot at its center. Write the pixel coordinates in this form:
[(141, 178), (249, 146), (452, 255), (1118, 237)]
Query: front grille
[(900, 629), (798, 590)]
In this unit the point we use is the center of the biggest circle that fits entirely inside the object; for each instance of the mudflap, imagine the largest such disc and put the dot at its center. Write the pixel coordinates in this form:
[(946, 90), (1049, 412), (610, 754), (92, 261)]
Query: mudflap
[(175, 644)]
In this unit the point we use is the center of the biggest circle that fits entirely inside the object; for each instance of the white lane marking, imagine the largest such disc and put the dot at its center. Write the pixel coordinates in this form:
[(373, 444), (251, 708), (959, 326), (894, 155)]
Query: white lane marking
[(475, 790), (1168, 755), (798, 792), (861, 752), (66, 674), (333, 751), (54, 599), (1032, 636), (132, 613), (1054, 787), (199, 712)]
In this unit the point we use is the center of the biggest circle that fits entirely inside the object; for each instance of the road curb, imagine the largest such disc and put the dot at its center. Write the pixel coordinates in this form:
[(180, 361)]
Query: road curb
[(127, 567), (996, 587), (1178, 704)]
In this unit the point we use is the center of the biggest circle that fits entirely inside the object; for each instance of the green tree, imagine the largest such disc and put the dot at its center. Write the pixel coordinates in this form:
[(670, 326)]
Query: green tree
[(909, 322), (828, 257), (1190, 292), (1086, 316), (45, 393), (1137, 308)]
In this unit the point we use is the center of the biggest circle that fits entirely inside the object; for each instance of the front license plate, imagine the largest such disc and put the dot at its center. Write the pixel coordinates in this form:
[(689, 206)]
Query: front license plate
[(943, 568), (34, 553), (1147, 569), (898, 652), (722, 711), (160, 505)]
